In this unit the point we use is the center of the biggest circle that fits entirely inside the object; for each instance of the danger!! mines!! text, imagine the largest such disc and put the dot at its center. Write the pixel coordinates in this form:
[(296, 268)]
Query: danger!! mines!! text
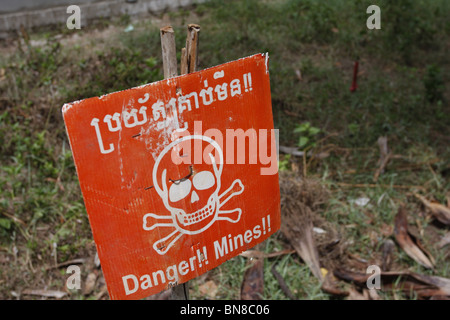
[(222, 248)]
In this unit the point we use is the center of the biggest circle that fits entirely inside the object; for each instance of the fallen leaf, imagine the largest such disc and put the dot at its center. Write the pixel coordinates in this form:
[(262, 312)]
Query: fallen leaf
[(410, 244), (45, 293), (442, 284), (330, 285), (409, 282), (252, 287), (439, 211), (444, 241), (298, 229)]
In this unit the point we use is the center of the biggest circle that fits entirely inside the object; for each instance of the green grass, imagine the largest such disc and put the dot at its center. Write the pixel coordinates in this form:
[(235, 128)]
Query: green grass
[(403, 94)]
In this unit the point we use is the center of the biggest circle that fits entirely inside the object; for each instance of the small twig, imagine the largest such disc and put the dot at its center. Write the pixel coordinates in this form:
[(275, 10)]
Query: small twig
[(333, 134), (382, 166), (291, 150), (293, 114), (67, 263), (385, 156), (283, 284), (371, 185), (14, 218), (434, 174)]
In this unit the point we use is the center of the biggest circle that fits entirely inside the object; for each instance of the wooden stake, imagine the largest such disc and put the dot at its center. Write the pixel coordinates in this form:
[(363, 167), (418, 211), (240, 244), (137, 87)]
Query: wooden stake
[(189, 62), (192, 41), (169, 58), (169, 55)]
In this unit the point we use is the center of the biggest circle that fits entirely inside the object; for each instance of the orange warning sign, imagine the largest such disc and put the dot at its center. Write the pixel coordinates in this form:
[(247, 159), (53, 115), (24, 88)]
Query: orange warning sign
[(179, 175)]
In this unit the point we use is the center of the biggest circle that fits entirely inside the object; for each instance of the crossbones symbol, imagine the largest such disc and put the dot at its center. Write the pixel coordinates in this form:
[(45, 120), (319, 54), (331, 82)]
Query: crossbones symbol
[(191, 195)]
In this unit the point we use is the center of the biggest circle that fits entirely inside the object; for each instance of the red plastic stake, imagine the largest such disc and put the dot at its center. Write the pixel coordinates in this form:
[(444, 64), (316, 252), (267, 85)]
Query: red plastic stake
[(355, 76)]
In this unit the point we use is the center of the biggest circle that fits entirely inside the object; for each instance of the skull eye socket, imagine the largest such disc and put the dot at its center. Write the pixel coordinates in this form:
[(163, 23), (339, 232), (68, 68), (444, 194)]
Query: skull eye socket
[(203, 180), (178, 191)]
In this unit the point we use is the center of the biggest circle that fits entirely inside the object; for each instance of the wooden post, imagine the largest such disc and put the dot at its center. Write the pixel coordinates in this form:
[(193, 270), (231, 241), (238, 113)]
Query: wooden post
[(169, 55), (192, 41), (189, 63), (189, 54)]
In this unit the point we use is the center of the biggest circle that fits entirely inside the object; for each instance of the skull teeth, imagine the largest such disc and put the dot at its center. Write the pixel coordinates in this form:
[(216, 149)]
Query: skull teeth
[(198, 215)]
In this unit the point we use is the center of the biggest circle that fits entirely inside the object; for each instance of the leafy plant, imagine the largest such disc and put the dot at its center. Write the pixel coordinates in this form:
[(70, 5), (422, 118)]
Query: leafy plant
[(307, 134), (283, 164)]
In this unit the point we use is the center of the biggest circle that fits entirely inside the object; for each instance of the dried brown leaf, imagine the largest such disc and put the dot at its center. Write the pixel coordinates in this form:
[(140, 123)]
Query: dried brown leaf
[(439, 211), (423, 285), (410, 244), (444, 241), (252, 287), (298, 229), (330, 286)]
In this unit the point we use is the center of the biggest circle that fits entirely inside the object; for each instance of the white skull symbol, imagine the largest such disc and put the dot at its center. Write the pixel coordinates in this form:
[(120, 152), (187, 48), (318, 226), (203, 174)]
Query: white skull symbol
[(189, 190)]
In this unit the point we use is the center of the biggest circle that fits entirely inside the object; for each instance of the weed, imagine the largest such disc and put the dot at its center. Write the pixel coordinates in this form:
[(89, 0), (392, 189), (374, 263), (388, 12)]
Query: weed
[(307, 134)]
